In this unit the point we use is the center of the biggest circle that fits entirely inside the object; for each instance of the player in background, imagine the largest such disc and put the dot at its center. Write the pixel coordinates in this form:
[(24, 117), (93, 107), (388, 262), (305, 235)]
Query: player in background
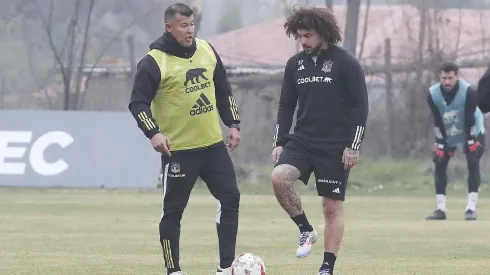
[(458, 123), (180, 92), (483, 92), (328, 84)]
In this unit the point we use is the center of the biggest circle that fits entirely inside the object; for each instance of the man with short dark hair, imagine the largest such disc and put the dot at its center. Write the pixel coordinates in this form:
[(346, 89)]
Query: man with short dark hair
[(328, 85), (458, 123), (180, 92)]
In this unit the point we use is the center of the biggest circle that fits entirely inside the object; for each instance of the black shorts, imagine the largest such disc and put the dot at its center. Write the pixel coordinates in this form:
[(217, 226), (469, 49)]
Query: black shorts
[(331, 177)]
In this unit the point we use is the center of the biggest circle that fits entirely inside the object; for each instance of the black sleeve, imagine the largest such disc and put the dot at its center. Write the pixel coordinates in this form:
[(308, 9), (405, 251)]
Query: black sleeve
[(145, 87), (483, 92), (357, 93), (440, 131), (287, 106), (225, 101), (469, 113)]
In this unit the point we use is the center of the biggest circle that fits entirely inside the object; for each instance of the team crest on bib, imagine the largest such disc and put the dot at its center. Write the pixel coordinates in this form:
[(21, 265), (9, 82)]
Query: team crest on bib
[(327, 66)]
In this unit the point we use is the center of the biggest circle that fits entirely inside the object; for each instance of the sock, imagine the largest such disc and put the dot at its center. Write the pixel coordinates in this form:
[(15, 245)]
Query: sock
[(302, 223), (472, 198), (328, 261), (441, 202), (171, 270)]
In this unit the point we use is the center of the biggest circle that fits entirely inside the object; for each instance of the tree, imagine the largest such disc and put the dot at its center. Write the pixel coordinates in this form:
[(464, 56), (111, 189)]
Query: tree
[(66, 55), (71, 47), (351, 25)]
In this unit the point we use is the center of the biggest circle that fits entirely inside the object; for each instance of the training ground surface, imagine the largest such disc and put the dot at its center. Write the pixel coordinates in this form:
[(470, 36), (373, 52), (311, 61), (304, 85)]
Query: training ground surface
[(116, 232)]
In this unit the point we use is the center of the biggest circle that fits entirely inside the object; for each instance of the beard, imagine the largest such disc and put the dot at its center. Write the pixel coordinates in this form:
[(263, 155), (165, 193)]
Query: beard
[(313, 51), (448, 88)]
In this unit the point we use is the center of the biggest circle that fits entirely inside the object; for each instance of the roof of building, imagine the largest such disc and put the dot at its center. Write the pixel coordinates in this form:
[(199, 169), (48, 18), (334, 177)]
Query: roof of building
[(460, 33)]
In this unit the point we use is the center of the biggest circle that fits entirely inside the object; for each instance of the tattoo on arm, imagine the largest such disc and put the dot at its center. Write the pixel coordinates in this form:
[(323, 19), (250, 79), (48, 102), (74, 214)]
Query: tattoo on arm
[(349, 152)]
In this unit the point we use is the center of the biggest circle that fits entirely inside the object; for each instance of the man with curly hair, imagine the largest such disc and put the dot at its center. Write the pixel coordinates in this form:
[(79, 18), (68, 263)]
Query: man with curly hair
[(328, 85)]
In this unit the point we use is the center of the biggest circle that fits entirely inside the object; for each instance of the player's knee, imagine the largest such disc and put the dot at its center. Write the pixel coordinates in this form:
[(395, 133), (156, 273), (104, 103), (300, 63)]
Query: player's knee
[(284, 174), (231, 201), (170, 219), (473, 163), (441, 167), (332, 208), (276, 179), (235, 200)]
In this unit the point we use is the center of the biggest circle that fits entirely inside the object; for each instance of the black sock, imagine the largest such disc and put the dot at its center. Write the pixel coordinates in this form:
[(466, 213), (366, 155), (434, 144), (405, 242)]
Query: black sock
[(302, 223), (328, 261), (171, 270)]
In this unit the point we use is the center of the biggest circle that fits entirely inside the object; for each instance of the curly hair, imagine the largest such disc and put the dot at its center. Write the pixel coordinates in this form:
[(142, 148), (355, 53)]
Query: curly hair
[(318, 19)]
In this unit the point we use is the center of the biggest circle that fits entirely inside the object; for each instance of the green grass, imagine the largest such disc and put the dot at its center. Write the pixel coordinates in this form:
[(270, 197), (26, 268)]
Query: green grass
[(60, 231), (376, 177)]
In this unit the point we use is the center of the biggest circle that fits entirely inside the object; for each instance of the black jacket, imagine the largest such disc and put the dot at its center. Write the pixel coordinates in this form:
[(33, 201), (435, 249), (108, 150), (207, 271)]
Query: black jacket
[(148, 78), (483, 92), (332, 100)]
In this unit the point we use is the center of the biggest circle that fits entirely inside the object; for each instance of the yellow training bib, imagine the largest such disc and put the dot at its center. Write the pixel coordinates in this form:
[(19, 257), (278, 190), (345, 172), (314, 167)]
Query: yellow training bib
[(185, 103)]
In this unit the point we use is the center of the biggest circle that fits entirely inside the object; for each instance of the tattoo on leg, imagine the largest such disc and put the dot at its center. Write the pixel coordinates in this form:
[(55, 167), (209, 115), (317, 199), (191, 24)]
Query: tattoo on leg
[(286, 194)]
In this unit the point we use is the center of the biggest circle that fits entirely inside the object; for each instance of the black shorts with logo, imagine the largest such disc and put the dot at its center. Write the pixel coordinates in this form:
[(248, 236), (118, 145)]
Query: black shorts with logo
[(326, 164)]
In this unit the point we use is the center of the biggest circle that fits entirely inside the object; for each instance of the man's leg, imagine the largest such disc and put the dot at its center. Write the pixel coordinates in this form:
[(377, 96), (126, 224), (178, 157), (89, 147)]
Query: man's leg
[(474, 180), (331, 182), (293, 164), (219, 174), (180, 173), (440, 176), (334, 232)]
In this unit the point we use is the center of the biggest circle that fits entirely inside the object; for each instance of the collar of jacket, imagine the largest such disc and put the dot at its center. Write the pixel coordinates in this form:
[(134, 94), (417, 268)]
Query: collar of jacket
[(169, 44)]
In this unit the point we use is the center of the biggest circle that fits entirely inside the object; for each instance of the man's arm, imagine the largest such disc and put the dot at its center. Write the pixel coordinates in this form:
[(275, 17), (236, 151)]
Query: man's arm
[(469, 113), (358, 97), (287, 106), (440, 131), (225, 101), (145, 87)]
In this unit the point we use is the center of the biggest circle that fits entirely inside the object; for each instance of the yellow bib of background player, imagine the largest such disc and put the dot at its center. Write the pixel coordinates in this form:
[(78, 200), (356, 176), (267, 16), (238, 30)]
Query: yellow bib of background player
[(185, 103)]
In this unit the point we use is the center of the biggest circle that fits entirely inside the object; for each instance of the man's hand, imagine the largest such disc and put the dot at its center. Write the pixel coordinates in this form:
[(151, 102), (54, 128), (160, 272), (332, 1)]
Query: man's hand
[(350, 158), (161, 144), (475, 147), (441, 152), (275, 153), (232, 138)]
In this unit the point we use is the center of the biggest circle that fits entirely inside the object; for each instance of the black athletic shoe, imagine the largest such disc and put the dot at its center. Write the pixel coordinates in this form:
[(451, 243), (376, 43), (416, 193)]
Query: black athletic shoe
[(437, 215), (470, 215)]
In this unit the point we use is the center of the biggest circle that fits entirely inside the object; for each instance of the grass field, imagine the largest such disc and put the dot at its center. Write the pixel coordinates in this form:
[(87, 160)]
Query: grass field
[(59, 231)]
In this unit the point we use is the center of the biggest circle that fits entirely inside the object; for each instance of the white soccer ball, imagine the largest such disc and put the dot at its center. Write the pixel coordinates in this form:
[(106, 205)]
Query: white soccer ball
[(248, 264)]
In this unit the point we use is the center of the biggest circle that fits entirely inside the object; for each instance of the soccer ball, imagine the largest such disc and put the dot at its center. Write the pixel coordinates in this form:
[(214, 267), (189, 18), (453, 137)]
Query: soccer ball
[(248, 264)]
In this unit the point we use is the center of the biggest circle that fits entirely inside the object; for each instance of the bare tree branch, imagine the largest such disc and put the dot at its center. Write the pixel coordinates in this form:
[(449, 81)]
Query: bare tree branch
[(83, 54), (458, 36), (47, 29), (351, 25), (64, 70), (364, 29), (71, 57), (111, 41)]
